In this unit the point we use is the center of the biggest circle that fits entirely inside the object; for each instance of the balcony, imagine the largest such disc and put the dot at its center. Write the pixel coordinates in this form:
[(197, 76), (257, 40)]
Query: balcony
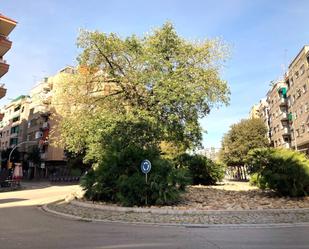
[(45, 126), (7, 25), (283, 102), (286, 145), (4, 68), (285, 131), (5, 45), (2, 91), (14, 134), (284, 116)]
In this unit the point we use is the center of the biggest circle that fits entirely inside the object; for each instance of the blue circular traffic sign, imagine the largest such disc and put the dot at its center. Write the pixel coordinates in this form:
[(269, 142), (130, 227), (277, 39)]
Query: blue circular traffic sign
[(145, 166)]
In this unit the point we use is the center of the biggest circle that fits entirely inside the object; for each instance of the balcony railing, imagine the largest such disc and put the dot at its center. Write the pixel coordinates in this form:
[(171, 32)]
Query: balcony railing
[(284, 116), (15, 134), (4, 68), (45, 125), (283, 101), (286, 145), (285, 131)]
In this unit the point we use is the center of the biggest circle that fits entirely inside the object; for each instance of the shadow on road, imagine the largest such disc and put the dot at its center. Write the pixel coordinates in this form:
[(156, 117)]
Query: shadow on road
[(12, 200)]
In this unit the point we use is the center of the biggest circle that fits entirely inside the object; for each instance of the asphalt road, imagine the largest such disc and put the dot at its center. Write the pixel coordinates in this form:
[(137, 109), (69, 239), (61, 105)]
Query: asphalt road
[(24, 225)]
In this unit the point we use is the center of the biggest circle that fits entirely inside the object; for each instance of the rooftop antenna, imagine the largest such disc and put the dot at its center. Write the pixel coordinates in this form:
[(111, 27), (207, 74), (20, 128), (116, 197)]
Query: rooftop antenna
[(284, 66)]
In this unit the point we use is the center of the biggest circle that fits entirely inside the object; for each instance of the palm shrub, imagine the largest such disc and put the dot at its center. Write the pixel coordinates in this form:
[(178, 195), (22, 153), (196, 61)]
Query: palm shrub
[(202, 169), (118, 178), (284, 171)]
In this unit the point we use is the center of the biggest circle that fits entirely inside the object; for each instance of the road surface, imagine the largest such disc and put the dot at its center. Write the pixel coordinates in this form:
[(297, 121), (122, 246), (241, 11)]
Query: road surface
[(24, 225)]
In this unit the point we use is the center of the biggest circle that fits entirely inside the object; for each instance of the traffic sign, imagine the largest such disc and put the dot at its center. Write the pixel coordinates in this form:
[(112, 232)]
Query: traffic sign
[(145, 166)]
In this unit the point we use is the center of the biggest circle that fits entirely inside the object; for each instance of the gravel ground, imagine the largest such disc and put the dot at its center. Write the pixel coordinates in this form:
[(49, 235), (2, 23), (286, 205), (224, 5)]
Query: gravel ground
[(235, 217), (238, 202)]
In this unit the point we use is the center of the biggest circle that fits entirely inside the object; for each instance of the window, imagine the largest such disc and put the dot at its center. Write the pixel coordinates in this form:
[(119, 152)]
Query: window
[(17, 108), (15, 129), (304, 88), (303, 130), (16, 119), (22, 109), (302, 69), (33, 122), (31, 111), (297, 133), (13, 141), (301, 110), (296, 74), (306, 107), (298, 94), (291, 81)]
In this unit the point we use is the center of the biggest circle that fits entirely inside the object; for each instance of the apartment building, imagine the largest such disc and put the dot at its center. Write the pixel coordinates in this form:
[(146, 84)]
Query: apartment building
[(263, 113), (278, 115), (254, 112), (6, 27), (13, 124), (286, 110), (297, 79), (34, 120)]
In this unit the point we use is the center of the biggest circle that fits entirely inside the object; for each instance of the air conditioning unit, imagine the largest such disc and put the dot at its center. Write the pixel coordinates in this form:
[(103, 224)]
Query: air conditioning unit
[(38, 134)]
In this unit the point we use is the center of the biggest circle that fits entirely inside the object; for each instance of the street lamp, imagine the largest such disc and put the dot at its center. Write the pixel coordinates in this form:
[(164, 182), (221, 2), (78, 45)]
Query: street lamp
[(25, 142)]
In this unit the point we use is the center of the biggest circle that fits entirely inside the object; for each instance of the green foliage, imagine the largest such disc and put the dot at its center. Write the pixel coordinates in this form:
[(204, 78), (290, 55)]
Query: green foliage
[(202, 169), (242, 137), (254, 179), (118, 178), (127, 97), (284, 171), (161, 78)]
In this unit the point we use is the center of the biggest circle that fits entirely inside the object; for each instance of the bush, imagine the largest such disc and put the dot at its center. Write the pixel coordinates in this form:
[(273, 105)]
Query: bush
[(202, 170), (118, 178), (284, 171)]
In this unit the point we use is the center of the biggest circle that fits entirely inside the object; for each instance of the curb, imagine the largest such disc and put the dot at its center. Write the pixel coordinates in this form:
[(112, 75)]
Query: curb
[(177, 211), (46, 209)]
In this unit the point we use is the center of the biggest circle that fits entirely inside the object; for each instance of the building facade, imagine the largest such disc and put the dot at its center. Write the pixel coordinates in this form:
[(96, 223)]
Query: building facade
[(254, 112), (286, 111), (263, 113), (13, 125), (6, 27), (297, 79), (34, 120), (279, 130)]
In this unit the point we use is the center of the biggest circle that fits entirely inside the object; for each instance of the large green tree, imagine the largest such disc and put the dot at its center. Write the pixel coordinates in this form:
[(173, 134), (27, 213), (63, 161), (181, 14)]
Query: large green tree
[(161, 81), (241, 138)]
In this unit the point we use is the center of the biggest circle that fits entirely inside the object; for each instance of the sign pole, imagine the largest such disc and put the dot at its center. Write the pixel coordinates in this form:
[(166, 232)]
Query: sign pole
[(146, 192), (146, 167)]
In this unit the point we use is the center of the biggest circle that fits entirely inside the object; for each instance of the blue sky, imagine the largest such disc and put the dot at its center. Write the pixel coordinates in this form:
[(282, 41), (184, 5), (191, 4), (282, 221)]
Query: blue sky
[(264, 35)]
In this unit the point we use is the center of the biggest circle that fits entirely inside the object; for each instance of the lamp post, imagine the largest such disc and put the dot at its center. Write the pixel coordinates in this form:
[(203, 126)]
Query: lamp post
[(25, 142)]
